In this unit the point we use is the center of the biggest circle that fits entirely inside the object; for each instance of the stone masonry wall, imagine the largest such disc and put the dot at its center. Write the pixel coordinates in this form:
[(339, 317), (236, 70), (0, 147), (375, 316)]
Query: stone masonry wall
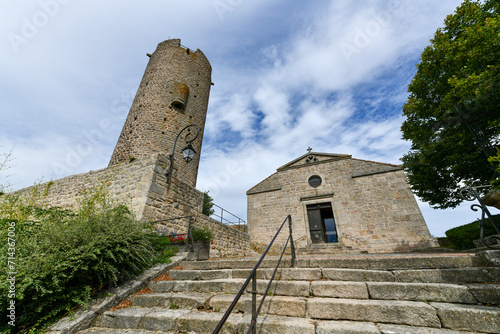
[(376, 213), (126, 183), (141, 186)]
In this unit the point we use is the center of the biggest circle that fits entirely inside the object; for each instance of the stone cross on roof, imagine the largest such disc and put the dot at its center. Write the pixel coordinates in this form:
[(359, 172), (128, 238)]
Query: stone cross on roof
[(309, 149)]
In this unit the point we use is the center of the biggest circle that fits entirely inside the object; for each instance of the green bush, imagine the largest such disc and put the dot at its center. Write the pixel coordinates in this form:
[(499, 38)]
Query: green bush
[(462, 237), (201, 234), (63, 258), (159, 244)]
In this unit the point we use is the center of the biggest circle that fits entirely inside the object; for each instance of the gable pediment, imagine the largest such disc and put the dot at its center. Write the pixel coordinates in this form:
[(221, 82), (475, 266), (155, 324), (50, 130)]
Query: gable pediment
[(313, 158), (356, 168)]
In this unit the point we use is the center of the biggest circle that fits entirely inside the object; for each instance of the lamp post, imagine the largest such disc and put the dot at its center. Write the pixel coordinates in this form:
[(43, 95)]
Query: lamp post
[(188, 152)]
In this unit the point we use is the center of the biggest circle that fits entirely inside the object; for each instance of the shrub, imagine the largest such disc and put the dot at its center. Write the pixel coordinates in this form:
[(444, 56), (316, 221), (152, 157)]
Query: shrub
[(201, 234), (159, 244), (462, 237), (63, 258)]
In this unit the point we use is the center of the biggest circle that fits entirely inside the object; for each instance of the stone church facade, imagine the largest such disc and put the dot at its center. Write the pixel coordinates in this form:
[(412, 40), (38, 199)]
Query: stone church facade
[(338, 204)]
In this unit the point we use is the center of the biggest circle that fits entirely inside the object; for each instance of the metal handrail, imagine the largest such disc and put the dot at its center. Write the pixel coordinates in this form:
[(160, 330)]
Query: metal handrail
[(227, 221), (253, 277)]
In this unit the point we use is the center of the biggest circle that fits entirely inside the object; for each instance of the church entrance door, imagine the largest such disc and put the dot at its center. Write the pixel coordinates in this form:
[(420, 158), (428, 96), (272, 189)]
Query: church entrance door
[(321, 223)]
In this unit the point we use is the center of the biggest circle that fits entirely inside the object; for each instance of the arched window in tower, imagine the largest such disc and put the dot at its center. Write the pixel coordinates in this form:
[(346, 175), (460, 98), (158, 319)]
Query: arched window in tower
[(180, 93)]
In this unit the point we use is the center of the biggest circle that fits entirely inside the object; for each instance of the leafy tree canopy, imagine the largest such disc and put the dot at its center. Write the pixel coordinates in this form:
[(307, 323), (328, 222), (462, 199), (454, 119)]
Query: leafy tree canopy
[(455, 88)]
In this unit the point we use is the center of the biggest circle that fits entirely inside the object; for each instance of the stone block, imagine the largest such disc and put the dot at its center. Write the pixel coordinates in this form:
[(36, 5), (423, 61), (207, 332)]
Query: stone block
[(275, 305), (283, 288), (204, 322), (199, 274), (486, 293), (179, 300), (396, 312), (188, 300), (469, 317), (162, 286), (450, 293), (300, 274), (346, 327), (272, 324), (123, 318), (339, 289), (491, 256), (402, 329), (151, 300), (358, 275), (244, 273), (458, 276), (162, 320)]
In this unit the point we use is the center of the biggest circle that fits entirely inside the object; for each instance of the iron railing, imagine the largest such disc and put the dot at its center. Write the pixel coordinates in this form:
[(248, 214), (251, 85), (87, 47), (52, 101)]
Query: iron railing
[(253, 277), (474, 193), (190, 241), (242, 225)]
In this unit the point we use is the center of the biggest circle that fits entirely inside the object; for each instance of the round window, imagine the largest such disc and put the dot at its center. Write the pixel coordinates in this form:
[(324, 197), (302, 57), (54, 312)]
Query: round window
[(314, 181)]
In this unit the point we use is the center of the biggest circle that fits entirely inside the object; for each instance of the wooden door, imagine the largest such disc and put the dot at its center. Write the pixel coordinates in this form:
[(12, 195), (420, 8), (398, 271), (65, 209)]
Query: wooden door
[(315, 224)]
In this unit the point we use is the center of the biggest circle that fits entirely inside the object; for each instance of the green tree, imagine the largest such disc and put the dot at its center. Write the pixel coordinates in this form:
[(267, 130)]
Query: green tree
[(495, 161), (207, 204), (455, 88)]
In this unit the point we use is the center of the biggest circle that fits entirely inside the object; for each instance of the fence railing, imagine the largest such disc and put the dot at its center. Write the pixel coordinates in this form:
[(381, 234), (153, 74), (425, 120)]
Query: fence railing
[(228, 218), (253, 278)]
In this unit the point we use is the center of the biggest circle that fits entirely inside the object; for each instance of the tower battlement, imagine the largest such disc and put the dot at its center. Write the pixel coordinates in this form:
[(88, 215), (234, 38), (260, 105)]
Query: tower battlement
[(173, 94)]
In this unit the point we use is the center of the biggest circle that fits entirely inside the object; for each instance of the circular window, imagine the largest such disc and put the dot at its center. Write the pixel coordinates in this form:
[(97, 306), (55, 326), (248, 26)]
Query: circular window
[(314, 181)]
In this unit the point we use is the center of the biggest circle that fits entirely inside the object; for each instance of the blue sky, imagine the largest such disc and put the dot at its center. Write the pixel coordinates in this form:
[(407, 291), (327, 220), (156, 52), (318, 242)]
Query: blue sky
[(326, 74)]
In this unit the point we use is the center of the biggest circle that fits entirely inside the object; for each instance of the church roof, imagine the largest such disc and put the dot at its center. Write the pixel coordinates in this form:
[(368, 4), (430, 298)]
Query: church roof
[(359, 168), (313, 158)]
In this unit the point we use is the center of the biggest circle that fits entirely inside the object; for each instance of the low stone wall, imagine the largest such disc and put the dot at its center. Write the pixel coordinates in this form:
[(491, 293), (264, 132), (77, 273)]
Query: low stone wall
[(126, 184), (227, 241)]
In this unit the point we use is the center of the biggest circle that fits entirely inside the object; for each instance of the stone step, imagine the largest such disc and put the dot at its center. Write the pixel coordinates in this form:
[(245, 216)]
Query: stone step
[(101, 330), (274, 305), (181, 292), (458, 276), (371, 261), (323, 327), (437, 315), (332, 248), (468, 317), (173, 300), (325, 315)]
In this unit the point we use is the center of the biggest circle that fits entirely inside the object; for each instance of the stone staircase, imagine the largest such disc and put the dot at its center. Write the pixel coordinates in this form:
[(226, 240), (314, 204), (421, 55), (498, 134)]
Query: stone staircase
[(430, 294)]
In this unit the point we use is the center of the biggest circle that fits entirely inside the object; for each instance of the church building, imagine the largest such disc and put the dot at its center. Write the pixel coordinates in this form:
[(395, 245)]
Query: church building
[(338, 204)]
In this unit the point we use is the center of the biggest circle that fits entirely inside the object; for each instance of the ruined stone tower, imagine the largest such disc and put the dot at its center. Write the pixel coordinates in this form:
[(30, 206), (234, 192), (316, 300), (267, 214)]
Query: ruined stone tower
[(172, 95)]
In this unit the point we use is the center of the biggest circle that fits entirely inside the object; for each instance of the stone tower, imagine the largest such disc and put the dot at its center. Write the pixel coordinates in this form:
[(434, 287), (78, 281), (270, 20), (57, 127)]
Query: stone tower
[(172, 95)]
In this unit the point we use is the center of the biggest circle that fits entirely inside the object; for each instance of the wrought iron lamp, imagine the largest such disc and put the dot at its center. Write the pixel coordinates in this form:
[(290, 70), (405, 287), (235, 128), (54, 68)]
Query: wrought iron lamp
[(188, 152)]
